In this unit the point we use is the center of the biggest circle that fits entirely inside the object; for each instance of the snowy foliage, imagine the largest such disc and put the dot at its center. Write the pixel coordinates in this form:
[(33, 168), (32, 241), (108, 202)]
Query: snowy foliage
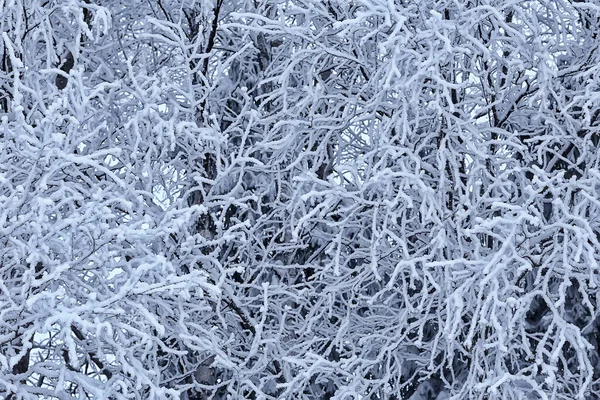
[(311, 199)]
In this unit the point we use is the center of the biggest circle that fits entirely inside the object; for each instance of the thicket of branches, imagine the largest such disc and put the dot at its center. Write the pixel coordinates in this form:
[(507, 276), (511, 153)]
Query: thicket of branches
[(312, 199)]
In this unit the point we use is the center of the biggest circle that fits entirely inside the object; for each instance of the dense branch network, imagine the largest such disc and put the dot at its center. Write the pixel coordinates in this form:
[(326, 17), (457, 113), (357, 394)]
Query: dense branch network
[(299, 199)]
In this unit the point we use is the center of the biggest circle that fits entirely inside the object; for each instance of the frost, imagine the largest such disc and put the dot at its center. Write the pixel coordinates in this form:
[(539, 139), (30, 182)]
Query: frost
[(321, 199)]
